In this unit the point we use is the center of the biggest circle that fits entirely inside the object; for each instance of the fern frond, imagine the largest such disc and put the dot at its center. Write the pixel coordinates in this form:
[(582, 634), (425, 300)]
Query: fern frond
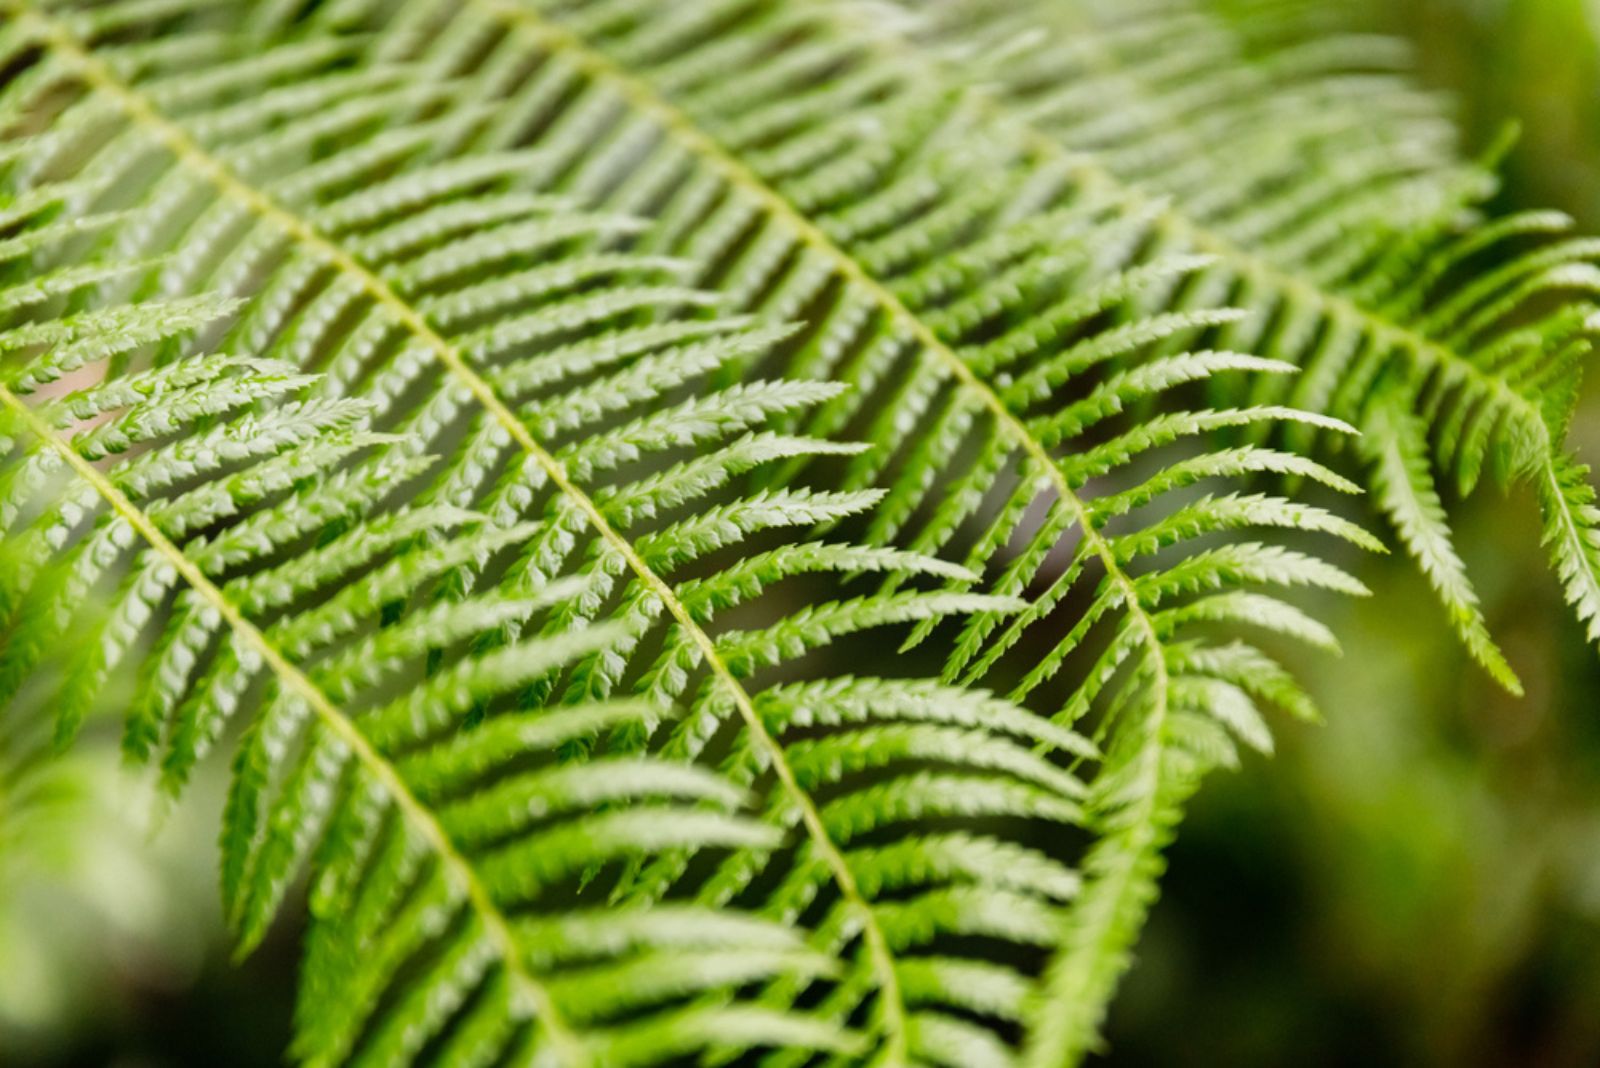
[(881, 249), (1328, 191)]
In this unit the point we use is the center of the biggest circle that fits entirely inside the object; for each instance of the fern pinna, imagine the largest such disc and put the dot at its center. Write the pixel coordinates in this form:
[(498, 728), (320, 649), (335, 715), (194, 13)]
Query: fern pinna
[(507, 413)]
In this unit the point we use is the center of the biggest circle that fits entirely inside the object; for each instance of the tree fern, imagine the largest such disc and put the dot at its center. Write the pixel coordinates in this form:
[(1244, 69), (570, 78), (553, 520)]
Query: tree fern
[(1328, 192), (577, 774)]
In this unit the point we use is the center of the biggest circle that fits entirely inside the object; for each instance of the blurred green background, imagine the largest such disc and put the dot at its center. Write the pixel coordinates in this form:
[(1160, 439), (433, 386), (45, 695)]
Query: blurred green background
[(1415, 883)]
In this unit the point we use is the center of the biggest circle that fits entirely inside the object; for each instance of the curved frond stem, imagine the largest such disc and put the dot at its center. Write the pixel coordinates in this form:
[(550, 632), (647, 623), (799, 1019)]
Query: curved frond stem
[(1077, 987), (193, 155), (546, 1012)]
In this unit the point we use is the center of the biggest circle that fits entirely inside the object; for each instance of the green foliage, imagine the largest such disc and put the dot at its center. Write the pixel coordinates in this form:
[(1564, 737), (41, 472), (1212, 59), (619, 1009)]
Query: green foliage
[(508, 430)]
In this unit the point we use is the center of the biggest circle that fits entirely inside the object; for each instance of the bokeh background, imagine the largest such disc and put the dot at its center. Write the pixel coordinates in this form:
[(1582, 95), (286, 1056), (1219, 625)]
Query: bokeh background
[(1416, 882)]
